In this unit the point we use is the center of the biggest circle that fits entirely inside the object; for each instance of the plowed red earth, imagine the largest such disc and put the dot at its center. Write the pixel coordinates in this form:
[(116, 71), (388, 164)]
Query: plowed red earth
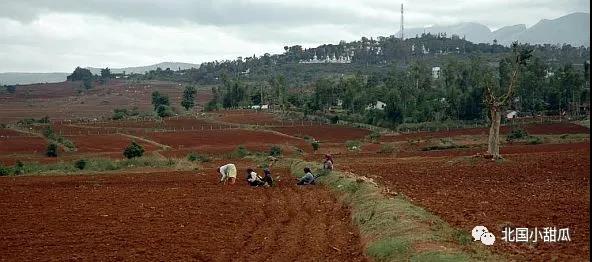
[(22, 144), (220, 139), (534, 129), (170, 216), (549, 189), (106, 143), (325, 133)]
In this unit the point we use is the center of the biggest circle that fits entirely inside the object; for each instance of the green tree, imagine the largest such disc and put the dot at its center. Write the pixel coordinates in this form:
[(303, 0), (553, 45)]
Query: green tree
[(80, 74), (188, 97), (133, 150)]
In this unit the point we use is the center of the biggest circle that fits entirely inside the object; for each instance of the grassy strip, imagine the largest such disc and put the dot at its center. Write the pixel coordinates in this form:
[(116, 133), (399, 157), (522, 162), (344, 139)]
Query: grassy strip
[(396, 230), (98, 165)]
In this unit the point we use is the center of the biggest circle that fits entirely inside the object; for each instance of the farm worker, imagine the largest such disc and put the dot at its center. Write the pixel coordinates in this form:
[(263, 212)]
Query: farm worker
[(267, 177), (254, 179), (227, 171), (328, 163), (307, 179)]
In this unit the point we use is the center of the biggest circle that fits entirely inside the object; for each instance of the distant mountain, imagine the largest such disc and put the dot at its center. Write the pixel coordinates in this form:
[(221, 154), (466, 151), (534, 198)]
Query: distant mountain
[(142, 69), (506, 35), (31, 78), (571, 29), (473, 32)]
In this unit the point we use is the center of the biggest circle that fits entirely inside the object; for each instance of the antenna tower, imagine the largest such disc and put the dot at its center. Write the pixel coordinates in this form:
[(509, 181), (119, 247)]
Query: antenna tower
[(402, 24)]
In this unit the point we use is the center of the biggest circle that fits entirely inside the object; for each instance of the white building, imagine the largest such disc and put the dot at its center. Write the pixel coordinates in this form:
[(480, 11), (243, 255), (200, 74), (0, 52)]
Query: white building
[(436, 72), (378, 105), (512, 114), (329, 59)]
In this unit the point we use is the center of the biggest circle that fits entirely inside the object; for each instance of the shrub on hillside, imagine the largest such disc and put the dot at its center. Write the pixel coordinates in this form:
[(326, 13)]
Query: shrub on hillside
[(240, 152), (353, 145), (516, 134), (315, 145), (4, 171), (52, 150), (275, 151), (80, 164), (195, 157), (133, 150)]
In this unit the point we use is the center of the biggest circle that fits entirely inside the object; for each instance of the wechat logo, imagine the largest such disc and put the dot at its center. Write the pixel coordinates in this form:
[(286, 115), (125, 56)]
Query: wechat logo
[(482, 234)]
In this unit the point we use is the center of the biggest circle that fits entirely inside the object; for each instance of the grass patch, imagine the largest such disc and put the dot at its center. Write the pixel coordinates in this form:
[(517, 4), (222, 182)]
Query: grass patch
[(100, 165), (439, 256), (390, 248), (444, 144), (392, 226)]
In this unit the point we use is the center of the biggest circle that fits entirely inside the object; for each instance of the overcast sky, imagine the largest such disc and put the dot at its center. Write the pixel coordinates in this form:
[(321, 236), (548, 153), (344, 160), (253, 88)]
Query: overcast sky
[(58, 35)]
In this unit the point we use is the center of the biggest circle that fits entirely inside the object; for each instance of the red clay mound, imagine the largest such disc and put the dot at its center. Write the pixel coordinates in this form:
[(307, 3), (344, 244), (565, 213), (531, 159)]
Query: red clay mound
[(171, 216)]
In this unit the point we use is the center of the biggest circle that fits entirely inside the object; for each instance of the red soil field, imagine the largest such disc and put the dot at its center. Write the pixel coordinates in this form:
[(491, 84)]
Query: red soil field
[(221, 140), (533, 129), (67, 100), (14, 145), (171, 216), (7, 133), (526, 190), (106, 143), (325, 133)]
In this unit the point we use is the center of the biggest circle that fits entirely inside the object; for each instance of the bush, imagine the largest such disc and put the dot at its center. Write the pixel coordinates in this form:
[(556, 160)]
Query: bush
[(240, 152), (534, 140), (315, 145), (48, 133), (387, 149), (4, 171), (52, 150), (353, 145), (334, 119), (164, 111), (133, 150), (275, 151), (194, 157), (80, 164), (19, 168), (374, 136), (516, 134)]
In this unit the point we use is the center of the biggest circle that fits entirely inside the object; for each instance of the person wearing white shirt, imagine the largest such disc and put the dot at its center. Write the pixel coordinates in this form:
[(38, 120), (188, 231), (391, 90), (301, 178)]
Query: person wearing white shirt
[(227, 171)]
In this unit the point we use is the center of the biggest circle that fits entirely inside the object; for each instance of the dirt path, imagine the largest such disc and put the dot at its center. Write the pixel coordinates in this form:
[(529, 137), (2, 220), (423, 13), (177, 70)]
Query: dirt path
[(152, 142), (170, 216)]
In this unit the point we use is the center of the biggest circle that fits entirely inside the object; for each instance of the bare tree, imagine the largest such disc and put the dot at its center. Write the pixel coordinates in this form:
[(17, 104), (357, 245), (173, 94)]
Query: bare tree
[(497, 100)]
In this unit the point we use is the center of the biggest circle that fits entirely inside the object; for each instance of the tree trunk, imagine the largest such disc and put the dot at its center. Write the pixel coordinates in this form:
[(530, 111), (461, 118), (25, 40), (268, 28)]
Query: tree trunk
[(493, 145)]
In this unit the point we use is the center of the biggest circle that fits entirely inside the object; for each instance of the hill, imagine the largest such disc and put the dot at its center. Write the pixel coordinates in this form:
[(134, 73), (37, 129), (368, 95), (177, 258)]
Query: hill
[(573, 29), (143, 69)]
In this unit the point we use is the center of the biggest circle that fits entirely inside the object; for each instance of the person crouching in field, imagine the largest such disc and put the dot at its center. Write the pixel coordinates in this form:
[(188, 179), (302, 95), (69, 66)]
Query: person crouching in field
[(267, 177), (328, 163), (307, 179), (253, 179), (227, 171)]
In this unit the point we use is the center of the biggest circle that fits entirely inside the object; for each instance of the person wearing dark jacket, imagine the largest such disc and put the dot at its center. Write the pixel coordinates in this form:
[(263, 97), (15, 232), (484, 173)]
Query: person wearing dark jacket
[(267, 177)]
